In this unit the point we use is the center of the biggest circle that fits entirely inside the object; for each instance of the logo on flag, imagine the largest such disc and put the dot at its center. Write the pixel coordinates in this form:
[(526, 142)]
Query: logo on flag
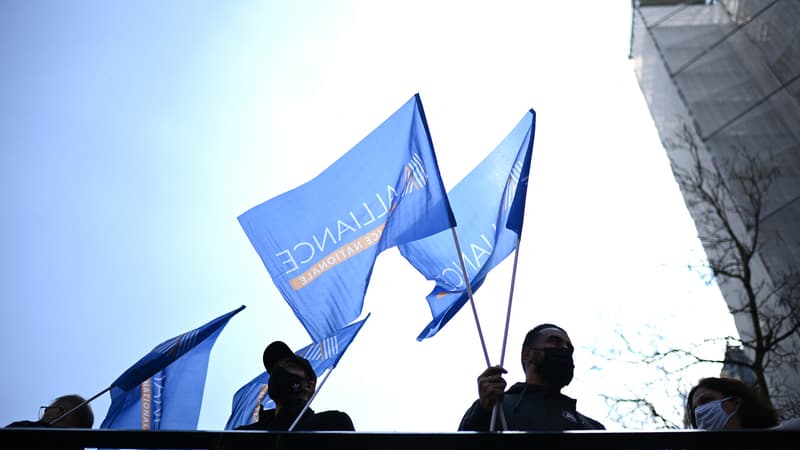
[(489, 204), (319, 241)]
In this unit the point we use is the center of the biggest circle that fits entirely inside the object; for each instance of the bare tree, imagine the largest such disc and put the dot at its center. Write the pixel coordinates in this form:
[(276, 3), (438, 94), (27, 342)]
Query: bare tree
[(728, 200)]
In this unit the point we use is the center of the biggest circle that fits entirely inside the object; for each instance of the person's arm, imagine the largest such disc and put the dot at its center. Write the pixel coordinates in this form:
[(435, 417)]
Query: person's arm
[(475, 419), (491, 389)]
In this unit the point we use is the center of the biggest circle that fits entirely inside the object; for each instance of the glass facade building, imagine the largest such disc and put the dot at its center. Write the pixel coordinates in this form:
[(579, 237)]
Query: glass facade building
[(729, 70)]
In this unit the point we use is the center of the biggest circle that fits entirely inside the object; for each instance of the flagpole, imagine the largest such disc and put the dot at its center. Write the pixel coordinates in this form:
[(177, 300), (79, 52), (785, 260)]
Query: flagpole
[(477, 322), (469, 293), (81, 404), (308, 403), (497, 408), (510, 297)]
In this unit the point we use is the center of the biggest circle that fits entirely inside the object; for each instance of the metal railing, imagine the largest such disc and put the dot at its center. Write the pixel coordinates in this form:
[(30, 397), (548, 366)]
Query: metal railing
[(63, 438)]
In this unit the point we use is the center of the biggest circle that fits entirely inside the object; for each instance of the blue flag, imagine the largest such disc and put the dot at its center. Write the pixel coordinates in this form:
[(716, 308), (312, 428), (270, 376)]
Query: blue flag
[(251, 397), (164, 390), (319, 241), (489, 205)]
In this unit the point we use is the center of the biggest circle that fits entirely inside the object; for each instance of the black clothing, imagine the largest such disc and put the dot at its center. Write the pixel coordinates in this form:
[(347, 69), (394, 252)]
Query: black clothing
[(531, 407), (36, 424), (29, 424), (311, 421)]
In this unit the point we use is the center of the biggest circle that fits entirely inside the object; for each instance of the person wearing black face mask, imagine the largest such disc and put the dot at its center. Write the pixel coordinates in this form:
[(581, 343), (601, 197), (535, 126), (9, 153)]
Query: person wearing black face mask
[(291, 385), (537, 404)]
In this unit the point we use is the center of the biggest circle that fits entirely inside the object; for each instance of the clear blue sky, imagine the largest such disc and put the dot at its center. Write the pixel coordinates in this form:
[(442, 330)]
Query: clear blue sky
[(132, 135)]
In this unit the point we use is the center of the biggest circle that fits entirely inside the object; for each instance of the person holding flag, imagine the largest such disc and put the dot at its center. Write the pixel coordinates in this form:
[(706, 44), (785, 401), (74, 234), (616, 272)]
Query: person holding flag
[(537, 404), (292, 383), (164, 389), (83, 417), (252, 399)]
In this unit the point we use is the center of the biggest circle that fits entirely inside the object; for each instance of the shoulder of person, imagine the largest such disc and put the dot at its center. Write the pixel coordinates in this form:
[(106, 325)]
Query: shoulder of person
[(591, 423), (28, 424), (516, 388), (251, 426), (333, 420), (789, 424)]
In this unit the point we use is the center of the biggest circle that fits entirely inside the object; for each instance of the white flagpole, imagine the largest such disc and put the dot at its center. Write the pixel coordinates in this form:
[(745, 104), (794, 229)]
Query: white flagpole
[(308, 403), (469, 293), (497, 408), (510, 298)]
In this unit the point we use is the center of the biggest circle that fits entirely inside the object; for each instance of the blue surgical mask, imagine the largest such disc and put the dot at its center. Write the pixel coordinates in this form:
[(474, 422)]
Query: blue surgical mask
[(711, 416)]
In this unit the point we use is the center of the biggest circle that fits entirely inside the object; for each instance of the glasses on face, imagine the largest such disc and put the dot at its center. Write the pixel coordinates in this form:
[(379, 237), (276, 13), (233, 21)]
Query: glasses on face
[(51, 412)]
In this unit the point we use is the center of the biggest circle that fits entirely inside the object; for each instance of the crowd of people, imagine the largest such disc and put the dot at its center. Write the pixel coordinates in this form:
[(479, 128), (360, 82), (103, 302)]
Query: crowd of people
[(535, 404)]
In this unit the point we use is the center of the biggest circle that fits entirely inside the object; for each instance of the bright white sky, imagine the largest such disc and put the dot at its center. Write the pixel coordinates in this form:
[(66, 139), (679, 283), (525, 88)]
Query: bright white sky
[(133, 134)]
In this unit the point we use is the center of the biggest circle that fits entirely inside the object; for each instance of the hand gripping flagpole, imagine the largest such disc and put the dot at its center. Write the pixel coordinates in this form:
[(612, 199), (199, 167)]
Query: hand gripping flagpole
[(505, 333), (496, 409), (514, 222)]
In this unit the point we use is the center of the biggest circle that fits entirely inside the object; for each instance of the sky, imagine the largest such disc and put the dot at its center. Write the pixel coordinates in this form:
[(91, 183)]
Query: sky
[(133, 134)]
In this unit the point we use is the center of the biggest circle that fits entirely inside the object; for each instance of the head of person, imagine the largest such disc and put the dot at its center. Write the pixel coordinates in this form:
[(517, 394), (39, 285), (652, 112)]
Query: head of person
[(80, 418), (291, 377), (727, 404), (547, 356)]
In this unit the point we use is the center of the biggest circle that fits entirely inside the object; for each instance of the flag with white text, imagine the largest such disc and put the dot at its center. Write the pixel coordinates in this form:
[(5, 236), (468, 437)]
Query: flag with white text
[(319, 241), (164, 389), (489, 205), (323, 355)]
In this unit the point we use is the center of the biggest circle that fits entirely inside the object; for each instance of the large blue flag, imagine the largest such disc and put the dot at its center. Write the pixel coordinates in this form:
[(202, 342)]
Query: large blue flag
[(164, 390), (251, 397), (489, 205), (319, 241)]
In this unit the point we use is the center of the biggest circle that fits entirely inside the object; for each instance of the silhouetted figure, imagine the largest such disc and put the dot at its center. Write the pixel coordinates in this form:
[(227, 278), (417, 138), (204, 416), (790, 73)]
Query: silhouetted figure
[(537, 404), (292, 382), (82, 417)]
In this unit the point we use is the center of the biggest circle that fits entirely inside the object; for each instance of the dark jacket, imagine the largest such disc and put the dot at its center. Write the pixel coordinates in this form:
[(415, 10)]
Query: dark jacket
[(311, 421), (37, 424), (531, 407)]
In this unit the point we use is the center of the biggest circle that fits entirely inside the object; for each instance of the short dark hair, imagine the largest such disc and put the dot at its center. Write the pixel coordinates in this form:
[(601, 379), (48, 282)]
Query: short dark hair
[(755, 411), (537, 330), (530, 338), (83, 417)]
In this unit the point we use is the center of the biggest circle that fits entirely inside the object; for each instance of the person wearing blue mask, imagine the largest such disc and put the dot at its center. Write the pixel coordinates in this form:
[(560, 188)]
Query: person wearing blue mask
[(727, 404)]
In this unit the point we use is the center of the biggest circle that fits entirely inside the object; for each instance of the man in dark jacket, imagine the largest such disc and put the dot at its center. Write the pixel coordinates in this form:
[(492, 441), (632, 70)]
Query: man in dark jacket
[(81, 415), (292, 382), (537, 404)]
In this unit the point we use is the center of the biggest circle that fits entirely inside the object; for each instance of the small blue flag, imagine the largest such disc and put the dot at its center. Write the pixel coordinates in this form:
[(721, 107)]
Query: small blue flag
[(251, 397), (319, 241), (164, 390), (489, 204)]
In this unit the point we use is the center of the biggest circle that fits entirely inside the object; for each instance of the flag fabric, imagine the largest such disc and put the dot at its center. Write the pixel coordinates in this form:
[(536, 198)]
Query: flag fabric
[(248, 400), (319, 241), (489, 206), (164, 390), (323, 355)]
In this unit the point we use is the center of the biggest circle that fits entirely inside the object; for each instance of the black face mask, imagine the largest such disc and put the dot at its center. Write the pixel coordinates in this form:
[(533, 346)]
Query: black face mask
[(556, 368), (284, 386)]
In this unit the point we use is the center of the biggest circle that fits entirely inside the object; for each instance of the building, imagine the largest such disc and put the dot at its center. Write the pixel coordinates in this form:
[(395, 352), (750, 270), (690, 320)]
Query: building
[(728, 73)]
